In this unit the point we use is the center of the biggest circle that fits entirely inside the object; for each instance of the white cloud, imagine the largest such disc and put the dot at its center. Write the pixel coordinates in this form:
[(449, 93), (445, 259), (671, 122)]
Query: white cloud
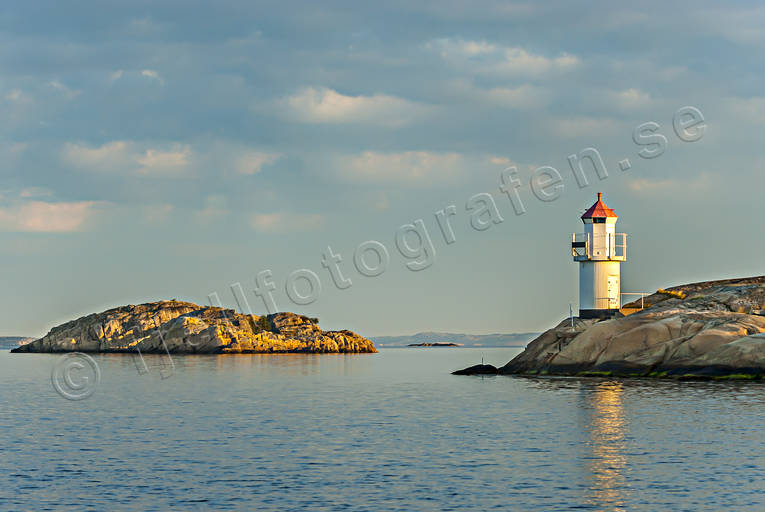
[(43, 217), (214, 210), (284, 222), (651, 186), (500, 160), (168, 159), (468, 48), (16, 148), (154, 161), (252, 162), (741, 25), (110, 157), (630, 99), (518, 60), (35, 192), (451, 49), (409, 167), (484, 57), (525, 96), (124, 156), (152, 75), (750, 109), (18, 96), (116, 75), (63, 89), (584, 126), (323, 105)]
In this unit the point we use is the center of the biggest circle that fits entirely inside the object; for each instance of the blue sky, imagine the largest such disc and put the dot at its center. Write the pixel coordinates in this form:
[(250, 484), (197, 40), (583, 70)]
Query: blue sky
[(170, 151)]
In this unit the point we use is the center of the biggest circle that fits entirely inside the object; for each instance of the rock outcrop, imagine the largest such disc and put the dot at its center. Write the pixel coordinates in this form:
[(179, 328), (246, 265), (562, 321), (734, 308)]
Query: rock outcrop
[(702, 330), (182, 327), (479, 369)]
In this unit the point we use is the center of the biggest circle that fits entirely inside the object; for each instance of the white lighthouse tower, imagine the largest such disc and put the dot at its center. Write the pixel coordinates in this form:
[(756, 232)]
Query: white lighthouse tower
[(599, 251)]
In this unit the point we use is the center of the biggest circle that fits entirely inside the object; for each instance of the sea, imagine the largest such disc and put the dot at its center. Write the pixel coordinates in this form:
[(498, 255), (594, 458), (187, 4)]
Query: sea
[(392, 431)]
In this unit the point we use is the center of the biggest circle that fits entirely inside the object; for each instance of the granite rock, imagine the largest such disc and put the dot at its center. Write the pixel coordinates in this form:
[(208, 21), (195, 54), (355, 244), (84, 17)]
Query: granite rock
[(182, 327)]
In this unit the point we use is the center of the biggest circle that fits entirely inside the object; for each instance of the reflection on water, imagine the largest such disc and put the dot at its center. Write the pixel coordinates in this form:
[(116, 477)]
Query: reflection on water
[(388, 431), (606, 429)]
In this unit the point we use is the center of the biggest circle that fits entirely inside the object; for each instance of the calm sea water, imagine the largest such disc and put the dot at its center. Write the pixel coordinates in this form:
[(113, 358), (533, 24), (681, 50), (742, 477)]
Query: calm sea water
[(387, 431)]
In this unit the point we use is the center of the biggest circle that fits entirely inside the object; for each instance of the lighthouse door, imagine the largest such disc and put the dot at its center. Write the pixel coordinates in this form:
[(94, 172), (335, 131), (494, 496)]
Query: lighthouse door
[(613, 292)]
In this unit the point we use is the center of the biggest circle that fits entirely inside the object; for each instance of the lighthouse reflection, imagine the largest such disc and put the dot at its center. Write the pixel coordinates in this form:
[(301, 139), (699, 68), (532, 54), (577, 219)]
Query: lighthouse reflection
[(607, 460)]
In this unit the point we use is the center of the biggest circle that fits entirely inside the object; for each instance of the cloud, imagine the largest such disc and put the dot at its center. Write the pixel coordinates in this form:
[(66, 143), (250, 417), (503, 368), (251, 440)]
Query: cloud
[(751, 109), (157, 213), (323, 105), (408, 167), (35, 192), (466, 48), (152, 75), (525, 96), (630, 99), (43, 217), (115, 75), (143, 26), (214, 210), (518, 60), (285, 222), (741, 25), (253, 161), (18, 96), (584, 126), (63, 89), (112, 156), (484, 57), (649, 186), (18, 147), (500, 160), (154, 161), (169, 159), (123, 156)]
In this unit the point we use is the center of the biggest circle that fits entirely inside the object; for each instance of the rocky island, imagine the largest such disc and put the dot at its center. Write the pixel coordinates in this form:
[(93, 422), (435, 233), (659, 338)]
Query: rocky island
[(182, 327), (10, 342), (435, 344), (713, 329)]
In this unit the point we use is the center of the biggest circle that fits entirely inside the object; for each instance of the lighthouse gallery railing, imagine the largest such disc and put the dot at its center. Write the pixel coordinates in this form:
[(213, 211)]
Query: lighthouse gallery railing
[(614, 245)]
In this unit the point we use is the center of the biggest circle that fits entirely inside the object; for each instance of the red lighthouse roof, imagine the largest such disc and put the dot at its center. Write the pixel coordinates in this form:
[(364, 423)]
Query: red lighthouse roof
[(599, 209)]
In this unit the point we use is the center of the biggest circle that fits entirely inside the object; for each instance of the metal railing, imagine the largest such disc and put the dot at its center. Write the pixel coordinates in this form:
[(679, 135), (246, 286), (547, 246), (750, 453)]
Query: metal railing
[(614, 303), (608, 246), (642, 298)]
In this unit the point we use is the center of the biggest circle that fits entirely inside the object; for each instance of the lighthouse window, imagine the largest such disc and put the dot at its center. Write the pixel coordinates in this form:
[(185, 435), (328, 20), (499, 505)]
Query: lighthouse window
[(598, 220)]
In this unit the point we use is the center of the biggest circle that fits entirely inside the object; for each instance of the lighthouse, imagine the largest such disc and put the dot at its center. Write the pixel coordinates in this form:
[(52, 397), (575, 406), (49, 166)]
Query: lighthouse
[(599, 251)]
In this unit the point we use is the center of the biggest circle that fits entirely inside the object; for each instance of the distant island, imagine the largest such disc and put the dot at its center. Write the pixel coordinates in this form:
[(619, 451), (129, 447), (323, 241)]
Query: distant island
[(712, 329), (466, 340), (186, 328), (9, 342), (436, 344)]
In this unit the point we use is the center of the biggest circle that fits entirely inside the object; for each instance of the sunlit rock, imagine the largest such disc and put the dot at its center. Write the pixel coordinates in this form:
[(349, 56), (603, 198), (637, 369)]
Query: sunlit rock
[(183, 327), (708, 329)]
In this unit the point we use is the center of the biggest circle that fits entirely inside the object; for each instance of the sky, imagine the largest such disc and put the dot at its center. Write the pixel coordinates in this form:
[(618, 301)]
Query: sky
[(171, 150)]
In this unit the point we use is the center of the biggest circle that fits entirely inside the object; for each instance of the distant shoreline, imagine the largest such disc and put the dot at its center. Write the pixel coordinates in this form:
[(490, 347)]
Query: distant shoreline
[(430, 338), (436, 344)]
